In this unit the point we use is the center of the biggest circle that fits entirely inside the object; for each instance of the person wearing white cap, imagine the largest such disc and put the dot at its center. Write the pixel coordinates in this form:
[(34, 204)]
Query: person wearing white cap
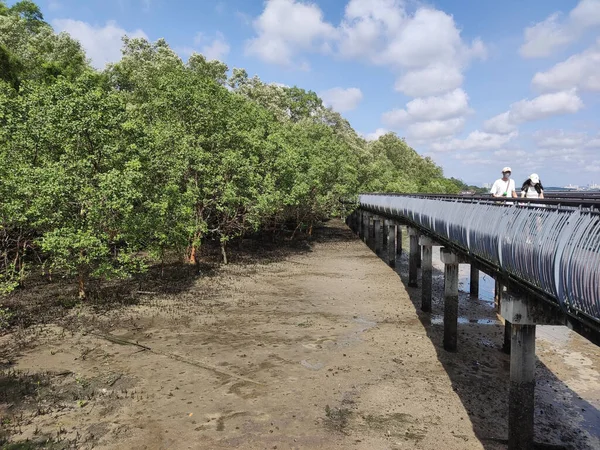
[(532, 188), (504, 187)]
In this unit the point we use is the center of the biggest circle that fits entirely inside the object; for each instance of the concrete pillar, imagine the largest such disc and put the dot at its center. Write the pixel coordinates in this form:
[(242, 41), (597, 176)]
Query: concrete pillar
[(474, 285), (507, 337), (365, 227), (413, 257), (426, 273), (450, 261), (398, 239), (498, 295), (384, 236), (391, 243), (377, 235), (419, 257), (522, 388), (520, 312)]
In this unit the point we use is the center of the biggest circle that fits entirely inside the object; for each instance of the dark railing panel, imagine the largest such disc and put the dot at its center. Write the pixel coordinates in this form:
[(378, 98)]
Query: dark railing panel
[(553, 247)]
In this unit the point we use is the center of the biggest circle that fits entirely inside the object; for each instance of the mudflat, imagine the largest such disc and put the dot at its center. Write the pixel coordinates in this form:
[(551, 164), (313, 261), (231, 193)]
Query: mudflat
[(321, 348)]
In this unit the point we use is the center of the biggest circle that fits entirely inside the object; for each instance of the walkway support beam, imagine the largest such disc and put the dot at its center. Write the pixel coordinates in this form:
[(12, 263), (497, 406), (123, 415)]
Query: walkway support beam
[(377, 234), (451, 261), (518, 312), (498, 288), (398, 239), (426, 272), (522, 313), (391, 243), (413, 257), (474, 284), (365, 229)]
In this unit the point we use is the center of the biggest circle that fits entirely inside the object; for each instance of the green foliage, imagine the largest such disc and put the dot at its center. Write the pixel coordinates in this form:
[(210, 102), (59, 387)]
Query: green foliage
[(100, 171)]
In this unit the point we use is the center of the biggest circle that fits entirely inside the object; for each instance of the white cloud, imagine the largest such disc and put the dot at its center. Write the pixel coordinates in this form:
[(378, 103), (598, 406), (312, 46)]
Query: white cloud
[(580, 71), (286, 27), (102, 44), (551, 140), (500, 124), (341, 99), (475, 159), (541, 107), (452, 104), (559, 139), (542, 38), (547, 105), (434, 129), (365, 27), (376, 134), (475, 141), (218, 48), (434, 79), (424, 48), (593, 143), (511, 154)]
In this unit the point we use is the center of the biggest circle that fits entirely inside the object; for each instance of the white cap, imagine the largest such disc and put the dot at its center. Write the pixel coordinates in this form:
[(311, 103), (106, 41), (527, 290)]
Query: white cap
[(506, 169), (535, 179)]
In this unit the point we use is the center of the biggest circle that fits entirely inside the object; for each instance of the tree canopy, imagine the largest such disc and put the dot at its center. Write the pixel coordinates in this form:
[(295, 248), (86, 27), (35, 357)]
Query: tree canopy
[(102, 172)]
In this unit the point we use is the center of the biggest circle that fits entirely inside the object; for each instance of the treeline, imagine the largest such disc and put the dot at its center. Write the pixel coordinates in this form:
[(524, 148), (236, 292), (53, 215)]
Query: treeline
[(103, 172)]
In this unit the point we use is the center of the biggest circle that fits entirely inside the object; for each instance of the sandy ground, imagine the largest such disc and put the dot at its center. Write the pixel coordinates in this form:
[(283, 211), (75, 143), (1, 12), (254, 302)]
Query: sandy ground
[(324, 349)]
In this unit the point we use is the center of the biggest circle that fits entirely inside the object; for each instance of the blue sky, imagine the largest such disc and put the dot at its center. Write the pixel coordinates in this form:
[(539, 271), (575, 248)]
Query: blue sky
[(475, 85)]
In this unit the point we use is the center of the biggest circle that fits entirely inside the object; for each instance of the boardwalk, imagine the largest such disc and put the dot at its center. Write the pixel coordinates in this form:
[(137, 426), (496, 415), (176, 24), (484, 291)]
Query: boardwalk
[(325, 349)]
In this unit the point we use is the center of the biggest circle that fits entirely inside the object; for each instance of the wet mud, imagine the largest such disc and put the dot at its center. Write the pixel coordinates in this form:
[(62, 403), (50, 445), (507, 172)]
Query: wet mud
[(324, 349)]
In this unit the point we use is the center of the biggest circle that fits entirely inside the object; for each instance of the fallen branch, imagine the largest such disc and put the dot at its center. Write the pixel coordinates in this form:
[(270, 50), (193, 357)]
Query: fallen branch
[(207, 366), (116, 340), (179, 358)]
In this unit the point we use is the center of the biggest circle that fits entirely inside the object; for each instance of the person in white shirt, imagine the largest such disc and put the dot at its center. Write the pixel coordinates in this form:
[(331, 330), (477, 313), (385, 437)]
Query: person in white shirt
[(532, 188), (504, 187)]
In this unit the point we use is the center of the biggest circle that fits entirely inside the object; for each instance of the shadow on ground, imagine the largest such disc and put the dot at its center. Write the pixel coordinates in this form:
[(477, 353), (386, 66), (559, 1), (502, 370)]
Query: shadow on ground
[(45, 300), (479, 373)]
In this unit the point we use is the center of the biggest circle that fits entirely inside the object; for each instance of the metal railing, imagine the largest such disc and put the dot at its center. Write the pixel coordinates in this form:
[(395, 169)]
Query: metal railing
[(551, 245)]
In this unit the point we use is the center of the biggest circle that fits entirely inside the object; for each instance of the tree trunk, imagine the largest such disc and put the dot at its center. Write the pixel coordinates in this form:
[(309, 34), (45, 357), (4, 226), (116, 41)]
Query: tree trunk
[(192, 255), (224, 252), (82, 285)]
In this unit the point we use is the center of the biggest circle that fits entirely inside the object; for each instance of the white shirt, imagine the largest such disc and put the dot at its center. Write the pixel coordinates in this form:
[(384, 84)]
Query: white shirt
[(500, 187), (531, 193)]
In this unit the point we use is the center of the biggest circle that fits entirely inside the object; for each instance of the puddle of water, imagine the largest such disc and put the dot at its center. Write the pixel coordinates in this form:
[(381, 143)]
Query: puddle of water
[(345, 340), (355, 335), (487, 285), (439, 320), (312, 366)]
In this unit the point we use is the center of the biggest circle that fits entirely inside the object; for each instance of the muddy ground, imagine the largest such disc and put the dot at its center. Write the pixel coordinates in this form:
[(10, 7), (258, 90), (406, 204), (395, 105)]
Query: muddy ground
[(314, 346)]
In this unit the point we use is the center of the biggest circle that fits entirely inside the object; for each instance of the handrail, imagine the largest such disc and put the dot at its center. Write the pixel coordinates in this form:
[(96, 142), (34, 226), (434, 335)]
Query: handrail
[(588, 201), (551, 246)]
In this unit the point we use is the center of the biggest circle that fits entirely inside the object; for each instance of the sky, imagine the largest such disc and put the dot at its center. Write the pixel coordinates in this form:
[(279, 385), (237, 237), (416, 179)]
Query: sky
[(476, 86)]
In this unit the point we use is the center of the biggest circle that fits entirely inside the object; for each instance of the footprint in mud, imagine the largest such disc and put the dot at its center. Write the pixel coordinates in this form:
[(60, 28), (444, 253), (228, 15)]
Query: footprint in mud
[(397, 425), (246, 390), (325, 343), (218, 421)]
